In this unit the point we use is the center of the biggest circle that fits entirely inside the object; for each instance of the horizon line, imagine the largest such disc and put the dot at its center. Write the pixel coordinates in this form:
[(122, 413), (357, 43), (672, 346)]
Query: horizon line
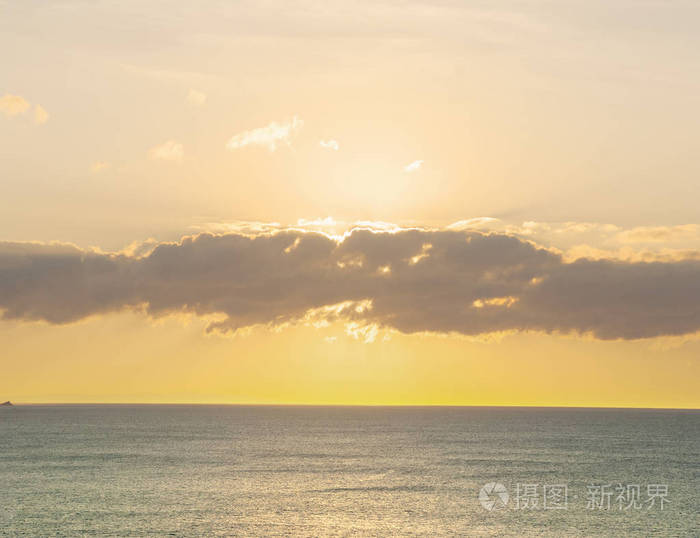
[(451, 406)]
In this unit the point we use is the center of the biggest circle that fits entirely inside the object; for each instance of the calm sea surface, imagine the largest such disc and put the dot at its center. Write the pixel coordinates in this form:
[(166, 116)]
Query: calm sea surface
[(339, 471)]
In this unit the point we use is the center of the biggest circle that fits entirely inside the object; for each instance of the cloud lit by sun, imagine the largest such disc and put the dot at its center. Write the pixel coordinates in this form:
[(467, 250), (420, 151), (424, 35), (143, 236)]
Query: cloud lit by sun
[(270, 136), (412, 167)]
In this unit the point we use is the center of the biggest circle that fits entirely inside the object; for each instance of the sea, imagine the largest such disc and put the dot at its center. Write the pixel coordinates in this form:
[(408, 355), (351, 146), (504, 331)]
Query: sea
[(209, 470)]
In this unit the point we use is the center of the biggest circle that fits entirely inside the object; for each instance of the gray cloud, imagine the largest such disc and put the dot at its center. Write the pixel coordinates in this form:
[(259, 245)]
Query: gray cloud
[(443, 281)]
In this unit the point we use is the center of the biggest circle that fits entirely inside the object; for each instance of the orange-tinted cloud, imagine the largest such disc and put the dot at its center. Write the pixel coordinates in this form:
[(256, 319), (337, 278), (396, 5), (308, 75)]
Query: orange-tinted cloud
[(13, 105)]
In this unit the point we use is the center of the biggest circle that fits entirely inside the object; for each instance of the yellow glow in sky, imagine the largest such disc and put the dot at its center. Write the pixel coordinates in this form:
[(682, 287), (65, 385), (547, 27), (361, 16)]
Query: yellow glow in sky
[(571, 129)]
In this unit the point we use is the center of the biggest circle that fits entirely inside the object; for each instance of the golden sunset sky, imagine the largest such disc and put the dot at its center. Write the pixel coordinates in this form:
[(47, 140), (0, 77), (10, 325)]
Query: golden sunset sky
[(401, 202)]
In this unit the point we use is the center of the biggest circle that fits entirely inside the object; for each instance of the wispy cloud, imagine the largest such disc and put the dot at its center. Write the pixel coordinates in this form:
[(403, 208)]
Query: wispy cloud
[(657, 234), (168, 151), (415, 165), (40, 115), (269, 136), (474, 223), (330, 144), (13, 105), (98, 166), (196, 98)]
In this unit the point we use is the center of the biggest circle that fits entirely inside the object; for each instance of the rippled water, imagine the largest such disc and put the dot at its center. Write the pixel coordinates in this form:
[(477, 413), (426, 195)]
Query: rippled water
[(317, 471)]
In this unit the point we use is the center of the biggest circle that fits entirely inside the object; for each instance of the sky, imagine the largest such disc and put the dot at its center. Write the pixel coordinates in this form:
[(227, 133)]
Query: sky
[(401, 202)]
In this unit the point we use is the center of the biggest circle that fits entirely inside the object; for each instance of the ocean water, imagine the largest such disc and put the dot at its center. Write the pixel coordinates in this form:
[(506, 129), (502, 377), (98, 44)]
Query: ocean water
[(132, 470)]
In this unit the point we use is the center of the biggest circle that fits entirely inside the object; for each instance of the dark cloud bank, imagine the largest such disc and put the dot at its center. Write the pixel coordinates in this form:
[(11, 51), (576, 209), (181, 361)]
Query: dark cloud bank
[(441, 281)]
